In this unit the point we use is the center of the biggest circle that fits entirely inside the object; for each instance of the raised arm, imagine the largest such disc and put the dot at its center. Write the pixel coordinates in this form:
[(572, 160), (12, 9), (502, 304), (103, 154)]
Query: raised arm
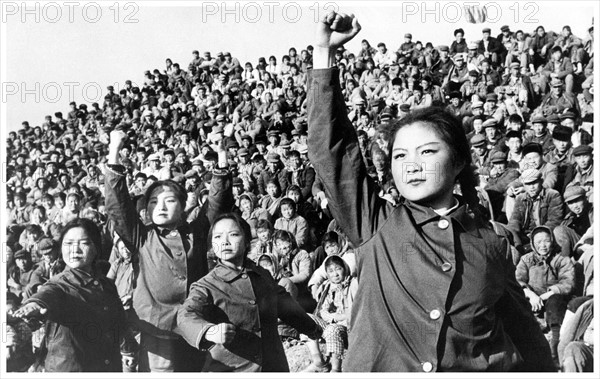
[(120, 209), (332, 140)]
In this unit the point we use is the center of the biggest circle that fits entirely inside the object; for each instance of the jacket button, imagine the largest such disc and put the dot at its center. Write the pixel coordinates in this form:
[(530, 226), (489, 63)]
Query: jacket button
[(434, 314), (252, 302), (443, 224), (446, 267), (427, 367), (244, 276), (105, 308), (95, 282), (179, 252), (106, 362)]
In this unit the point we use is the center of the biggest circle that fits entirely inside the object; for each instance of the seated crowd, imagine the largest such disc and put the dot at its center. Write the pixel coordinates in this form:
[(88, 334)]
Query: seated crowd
[(526, 104)]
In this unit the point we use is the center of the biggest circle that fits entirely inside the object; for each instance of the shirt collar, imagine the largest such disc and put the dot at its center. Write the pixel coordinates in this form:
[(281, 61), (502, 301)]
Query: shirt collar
[(80, 275)]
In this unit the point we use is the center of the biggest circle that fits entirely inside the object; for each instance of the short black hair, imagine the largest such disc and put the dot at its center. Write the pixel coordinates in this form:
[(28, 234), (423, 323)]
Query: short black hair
[(174, 186)]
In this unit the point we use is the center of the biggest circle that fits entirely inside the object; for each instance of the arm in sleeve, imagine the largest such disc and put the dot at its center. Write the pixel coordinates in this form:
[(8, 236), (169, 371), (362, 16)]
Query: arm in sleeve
[(566, 276), (301, 232), (121, 210), (309, 179), (304, 268), (337, 160), (52, 297), (220, 195), (556, 211), (520, 324), (522, 273), (567, 69), (192, 317), (290, 312)]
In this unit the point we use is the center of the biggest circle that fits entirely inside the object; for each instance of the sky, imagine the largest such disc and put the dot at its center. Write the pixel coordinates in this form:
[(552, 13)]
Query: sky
[(52, 55)]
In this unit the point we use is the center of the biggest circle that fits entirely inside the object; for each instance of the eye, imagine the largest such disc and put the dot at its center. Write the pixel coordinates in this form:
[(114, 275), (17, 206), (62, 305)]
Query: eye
[(399, 156), (428, 151)]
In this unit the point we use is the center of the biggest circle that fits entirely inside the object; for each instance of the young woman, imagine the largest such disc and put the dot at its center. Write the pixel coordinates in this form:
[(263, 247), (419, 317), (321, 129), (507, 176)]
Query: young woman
[(86, 321), (437, 287), (232, 312)]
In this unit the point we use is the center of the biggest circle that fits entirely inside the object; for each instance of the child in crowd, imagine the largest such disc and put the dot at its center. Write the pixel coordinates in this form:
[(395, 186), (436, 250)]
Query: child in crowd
[(333, 309), (271, 200), (263, 243), (232, 312), (293, 223), (548, 280), (334, 244)]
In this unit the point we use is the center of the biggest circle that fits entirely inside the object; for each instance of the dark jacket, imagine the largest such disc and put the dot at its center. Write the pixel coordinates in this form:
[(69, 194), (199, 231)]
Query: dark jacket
[(252, 301), (494, 46), (168, 263), (429, 298), (305, 177), (551, 212), (86, 323)]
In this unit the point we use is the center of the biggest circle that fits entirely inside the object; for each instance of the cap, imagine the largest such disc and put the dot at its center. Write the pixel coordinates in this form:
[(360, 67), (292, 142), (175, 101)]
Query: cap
[(408, 35), (539, 119), (243, 151), (562, 133), (22, 254), (404, 108), (45, 246), (110, 88), (444, 48), (273, 133), (568, 115), (459, 57), (491, 97), (532, 147), (516, 65), (553, 119), (486, 30), (498, 157), (474, 73), (574, 192), (556, 82), (504, 28), (273, 157), (154, 157), (472, 46), (478, 140), (582, 150), (232, 144), (490, 123), (477, 104), (530, 175), (237, 181)]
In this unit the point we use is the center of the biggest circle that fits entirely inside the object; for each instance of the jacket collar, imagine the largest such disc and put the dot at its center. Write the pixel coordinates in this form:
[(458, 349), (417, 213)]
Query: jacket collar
[(460, 216), (80, 275), (228, 274)]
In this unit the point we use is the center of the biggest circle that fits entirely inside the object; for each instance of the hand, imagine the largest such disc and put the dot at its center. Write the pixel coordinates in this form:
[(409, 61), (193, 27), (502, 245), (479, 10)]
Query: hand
[(129, 361), (546, 296), (222, 333), (531, 52), (30, 310), (117, 138), (543, 51), (334, 30), (536, 303), (126, 301)]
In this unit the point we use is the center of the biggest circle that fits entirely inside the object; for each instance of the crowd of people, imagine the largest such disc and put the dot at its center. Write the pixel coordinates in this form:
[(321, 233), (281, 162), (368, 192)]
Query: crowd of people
[(193, 203)]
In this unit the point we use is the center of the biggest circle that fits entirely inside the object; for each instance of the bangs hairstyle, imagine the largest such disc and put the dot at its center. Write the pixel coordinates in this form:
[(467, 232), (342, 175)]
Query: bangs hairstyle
[(336, 260), (285, 236), (178, 189), (449, 129), (240, 222), (90, 228)]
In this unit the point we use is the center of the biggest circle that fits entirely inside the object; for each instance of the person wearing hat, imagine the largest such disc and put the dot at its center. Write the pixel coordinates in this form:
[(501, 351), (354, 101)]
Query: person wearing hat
[(557, 100), (171, 254), (274, 171), (20, 273), (579, 219), (561, 152), (559, 67), (442, 66), (459, 74), (407, 47), (473, 86), (505, 38), (534, 206), (500, 178), (521, 85), (582, 173), (431, 89), (547, 293), (49, 266), (540, 134), (229, 64), (580, 136), (481, 156), (489, 47), (154, 166), (493, 135)]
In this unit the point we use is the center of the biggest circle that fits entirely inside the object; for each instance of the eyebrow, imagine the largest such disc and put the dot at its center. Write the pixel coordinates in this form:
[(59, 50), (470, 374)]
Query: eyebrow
[(420, 146)]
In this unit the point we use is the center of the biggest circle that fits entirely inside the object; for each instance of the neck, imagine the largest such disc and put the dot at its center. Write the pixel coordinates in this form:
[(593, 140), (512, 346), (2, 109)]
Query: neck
[(237, 264)]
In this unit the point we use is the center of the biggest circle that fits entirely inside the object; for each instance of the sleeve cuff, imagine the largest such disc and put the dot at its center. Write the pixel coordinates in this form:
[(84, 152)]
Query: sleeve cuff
[(201, 342), (116, 169)]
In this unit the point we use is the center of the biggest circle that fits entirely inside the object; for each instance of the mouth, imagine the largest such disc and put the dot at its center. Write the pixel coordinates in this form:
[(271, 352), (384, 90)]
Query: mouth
[(415, 181)]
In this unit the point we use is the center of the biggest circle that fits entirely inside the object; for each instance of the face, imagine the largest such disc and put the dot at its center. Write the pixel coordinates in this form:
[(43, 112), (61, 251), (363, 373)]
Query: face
[(73, 203), (246, 205), (228, 242), (78, 250), (284, 247), (543, 243), (164, 208), (583, 161), (533, 160), (533, 189), (423, 166), (287, 211), (478, 125), (379, 162), (556, 91), (37, 216), (22, 263), (272, 189), (263, 235), (500, 167), (335, 273), (123, 250), (514, 144), (491, 133), (480, 150), (561, 146), (331, 248), (295, 161)]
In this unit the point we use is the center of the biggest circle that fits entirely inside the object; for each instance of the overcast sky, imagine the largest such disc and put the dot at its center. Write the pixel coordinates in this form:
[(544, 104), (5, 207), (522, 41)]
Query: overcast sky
[(72, 53)]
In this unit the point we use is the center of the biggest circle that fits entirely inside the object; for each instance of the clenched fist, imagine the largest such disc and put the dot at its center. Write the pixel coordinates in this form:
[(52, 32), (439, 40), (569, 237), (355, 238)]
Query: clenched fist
[(222, 333)]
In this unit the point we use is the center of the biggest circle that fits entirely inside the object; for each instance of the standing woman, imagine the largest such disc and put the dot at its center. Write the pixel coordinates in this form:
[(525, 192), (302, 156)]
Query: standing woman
[(86, 321), (437, 287)]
